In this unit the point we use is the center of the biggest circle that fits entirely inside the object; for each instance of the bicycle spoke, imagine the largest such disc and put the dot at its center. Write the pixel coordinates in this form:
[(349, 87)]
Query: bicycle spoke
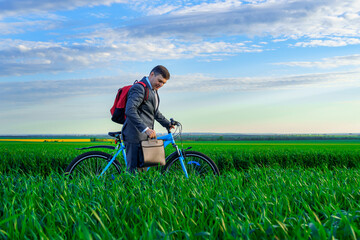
[(91, 165), (82, 167), (195, 164), (100, 167)]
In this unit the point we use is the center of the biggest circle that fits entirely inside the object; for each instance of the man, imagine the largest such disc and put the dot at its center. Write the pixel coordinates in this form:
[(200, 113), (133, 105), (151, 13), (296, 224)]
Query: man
[(140, 115)]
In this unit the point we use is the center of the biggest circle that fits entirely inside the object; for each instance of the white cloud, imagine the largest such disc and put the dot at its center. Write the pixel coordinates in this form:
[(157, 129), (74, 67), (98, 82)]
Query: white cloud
[(27, 93), (210, 7), (325, 23), (40, 91), (209, 84), (333, 62), (160, 10), (21, 27), (333, 42), (27, 57), (35, 22), (160, 7), (175, 30), (20, 16), (99, 15), (284, 19), (279, 40), (28, 7)]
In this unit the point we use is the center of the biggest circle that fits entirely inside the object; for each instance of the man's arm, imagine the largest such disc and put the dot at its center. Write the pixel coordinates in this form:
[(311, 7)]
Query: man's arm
[(135, 98), (161, 119)]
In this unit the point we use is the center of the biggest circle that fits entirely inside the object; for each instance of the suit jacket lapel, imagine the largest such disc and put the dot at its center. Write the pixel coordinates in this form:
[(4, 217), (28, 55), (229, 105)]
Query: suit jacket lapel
[(158, 100)]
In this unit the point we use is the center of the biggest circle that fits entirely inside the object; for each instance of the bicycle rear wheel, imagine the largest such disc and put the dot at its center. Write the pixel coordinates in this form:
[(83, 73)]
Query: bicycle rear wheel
[(196, 163), (91, 164)]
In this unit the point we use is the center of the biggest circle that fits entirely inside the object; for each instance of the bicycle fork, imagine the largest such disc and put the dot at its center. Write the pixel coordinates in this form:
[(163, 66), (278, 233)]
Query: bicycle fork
[(181, 159)]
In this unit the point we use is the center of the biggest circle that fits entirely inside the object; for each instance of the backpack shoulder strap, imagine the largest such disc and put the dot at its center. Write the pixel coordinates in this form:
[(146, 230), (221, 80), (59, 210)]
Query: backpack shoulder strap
[(146, 97)]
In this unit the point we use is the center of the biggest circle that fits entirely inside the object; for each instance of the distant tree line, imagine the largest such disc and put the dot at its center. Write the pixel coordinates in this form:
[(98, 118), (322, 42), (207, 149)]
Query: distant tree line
[(253, 137), (267, 137)]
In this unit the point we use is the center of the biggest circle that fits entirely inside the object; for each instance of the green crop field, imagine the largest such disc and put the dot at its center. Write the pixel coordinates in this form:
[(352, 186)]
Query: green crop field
[(44, 158), (271, 190)]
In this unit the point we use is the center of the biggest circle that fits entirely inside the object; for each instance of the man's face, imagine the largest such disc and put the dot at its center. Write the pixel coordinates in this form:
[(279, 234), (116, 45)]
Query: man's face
[(156, 81)]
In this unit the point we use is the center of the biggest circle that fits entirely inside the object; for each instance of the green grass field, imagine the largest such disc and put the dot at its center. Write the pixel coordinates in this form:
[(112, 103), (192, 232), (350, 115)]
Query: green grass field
[(271, 190), (44, 158)]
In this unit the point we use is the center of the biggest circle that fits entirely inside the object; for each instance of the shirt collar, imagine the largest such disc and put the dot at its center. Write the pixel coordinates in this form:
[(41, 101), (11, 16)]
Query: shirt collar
[(147, 79)]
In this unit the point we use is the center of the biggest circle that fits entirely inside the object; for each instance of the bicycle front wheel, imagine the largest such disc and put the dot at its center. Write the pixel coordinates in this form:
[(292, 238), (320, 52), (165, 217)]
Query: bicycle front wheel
[(91, 164), (196, 164)]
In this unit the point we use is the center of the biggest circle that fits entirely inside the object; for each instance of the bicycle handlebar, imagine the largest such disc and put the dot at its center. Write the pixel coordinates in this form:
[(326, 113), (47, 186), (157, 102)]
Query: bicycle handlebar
[(173, 123)]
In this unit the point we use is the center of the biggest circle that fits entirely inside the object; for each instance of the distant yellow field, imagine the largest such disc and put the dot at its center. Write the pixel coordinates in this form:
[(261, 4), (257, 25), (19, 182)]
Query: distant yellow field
[(45, 140)]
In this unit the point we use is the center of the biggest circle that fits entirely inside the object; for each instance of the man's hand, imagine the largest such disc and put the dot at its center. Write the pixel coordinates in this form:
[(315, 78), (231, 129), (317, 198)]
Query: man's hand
[(151, 133), (171, 126)]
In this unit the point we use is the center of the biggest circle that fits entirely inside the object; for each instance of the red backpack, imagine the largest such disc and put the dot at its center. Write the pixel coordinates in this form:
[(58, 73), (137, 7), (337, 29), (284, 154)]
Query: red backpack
[(118, 109)]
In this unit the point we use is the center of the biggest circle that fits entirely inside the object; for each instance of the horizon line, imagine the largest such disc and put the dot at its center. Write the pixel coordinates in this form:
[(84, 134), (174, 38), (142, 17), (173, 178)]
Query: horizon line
[(186, 133)]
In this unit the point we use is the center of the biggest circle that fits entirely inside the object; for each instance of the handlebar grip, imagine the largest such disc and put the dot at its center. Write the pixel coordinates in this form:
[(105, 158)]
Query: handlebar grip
[(173, 122)]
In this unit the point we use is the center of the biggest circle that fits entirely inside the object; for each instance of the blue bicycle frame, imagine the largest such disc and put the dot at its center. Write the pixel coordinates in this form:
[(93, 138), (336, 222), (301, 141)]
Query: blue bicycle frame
[(168, 139)]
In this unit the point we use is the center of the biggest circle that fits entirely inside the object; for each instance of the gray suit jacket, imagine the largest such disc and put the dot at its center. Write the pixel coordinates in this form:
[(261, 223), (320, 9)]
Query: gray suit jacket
[(140, 114)]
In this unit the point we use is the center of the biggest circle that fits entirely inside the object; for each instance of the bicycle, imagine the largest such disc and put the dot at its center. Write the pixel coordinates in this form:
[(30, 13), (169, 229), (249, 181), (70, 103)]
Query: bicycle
[(98, 163)]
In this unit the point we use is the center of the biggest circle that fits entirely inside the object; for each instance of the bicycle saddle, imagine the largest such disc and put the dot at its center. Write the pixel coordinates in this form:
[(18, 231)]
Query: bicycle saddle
[(114, 134)]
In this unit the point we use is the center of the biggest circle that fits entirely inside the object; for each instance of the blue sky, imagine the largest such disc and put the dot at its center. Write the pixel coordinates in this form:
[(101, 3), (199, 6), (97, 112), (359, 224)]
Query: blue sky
[(256, 66)]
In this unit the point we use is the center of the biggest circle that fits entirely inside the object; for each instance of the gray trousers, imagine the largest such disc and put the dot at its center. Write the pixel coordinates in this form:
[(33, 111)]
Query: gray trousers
[(134, 156)]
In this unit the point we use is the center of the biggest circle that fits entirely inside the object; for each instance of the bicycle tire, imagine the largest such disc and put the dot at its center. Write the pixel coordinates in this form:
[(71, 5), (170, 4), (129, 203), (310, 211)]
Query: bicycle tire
[(196, 163), (93, 160)]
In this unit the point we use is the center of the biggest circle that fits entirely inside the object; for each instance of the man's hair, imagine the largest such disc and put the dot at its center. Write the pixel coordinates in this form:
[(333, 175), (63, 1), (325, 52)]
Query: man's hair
[(159, 69)]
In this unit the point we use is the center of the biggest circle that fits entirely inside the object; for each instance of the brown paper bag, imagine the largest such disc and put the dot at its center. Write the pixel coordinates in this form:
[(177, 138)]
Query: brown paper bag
[(154, 152)]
